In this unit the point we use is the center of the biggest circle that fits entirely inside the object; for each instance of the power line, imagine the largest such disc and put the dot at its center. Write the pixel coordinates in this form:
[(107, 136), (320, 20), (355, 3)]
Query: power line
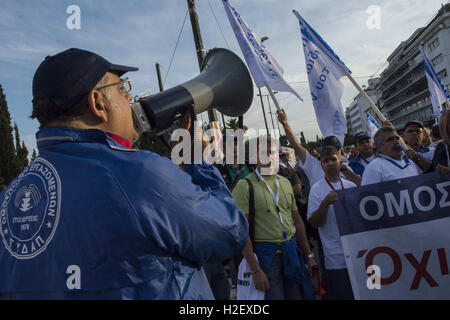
[(176, 46), (218, 24)]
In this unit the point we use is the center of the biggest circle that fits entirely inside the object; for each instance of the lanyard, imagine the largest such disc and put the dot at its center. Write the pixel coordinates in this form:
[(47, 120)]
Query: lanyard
[(395, 163), (275, 198), (331, 186)]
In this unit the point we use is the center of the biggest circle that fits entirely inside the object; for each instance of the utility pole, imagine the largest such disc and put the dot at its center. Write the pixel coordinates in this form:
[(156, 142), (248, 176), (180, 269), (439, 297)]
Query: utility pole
[(264, 112), (270, 111), (212, 115), (278, 125), (158, 73)]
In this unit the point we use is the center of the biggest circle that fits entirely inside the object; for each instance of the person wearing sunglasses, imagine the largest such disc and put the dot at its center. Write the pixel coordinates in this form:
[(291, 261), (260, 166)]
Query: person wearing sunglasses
[(391, 163), (92, 218)]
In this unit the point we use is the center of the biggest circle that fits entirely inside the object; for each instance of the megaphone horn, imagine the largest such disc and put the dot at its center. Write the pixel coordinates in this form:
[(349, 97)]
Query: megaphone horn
[(224, 83)]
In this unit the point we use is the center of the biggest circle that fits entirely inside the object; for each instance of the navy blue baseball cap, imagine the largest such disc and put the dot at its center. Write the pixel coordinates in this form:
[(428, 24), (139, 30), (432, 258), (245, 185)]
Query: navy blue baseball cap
[(68, 76), (331, 141), (420, 124), (361, 136)]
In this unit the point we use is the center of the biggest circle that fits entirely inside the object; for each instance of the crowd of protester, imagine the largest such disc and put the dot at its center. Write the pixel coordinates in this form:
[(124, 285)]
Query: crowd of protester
[(314, 178)]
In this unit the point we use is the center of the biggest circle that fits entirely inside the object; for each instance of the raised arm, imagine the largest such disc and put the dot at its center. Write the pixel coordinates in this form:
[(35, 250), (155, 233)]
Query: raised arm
[(300, 152)]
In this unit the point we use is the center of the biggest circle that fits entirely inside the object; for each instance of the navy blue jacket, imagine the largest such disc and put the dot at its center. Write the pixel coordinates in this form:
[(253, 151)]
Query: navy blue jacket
[(356, 166), (89, 219)]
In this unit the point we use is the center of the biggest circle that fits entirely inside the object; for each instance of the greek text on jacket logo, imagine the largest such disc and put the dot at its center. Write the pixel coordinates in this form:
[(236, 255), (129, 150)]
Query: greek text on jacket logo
[(29, 213)]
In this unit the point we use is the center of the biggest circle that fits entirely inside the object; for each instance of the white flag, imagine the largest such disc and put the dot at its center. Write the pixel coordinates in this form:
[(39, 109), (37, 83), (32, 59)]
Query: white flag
[(324, 70), (372, 126), (438, 93), (264, 68)]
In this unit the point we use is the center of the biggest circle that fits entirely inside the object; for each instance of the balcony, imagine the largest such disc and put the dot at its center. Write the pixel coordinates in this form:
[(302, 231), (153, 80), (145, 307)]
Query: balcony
[(411, 65), (411, 110), (411, 82), (405, 101)]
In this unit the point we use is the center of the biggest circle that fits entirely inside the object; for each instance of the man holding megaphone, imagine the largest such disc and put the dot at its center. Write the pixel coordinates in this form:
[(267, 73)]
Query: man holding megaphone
[(91, 218)]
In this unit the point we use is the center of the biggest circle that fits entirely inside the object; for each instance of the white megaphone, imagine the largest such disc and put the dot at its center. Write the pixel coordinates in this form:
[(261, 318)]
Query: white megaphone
[(224, 84)]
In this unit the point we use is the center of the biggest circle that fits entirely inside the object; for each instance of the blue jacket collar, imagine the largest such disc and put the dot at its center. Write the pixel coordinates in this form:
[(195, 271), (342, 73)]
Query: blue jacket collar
[(51, 136)]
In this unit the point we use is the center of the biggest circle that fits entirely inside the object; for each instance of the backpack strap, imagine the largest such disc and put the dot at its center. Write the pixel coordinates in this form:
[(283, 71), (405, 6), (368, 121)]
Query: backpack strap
[(251, 211)]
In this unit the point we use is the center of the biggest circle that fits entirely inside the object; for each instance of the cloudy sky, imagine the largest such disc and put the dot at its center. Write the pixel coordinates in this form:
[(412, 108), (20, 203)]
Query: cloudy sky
[(144, 32)]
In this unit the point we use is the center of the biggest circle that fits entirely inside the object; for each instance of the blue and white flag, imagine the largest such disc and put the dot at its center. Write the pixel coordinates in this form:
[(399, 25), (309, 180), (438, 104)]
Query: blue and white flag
[(372, 126), (264, 68), (324, 70), (438, 93)]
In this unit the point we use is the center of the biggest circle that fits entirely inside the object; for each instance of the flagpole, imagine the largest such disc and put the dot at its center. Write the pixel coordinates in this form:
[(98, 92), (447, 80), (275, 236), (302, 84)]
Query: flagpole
[(366, 97), (276, 103), (373, 106), (273, 98)]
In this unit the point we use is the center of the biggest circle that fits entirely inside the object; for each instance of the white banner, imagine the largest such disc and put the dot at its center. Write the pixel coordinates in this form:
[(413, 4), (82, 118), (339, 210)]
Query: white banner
[(324, 70), (395, 238), (438, 93), (264, 68)]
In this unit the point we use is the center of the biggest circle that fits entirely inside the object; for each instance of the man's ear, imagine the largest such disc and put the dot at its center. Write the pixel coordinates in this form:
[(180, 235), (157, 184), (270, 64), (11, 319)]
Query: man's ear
[(97, 105)]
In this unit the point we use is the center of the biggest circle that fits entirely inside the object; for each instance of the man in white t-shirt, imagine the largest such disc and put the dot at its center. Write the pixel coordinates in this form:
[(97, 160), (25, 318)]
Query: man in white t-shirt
[(321, 215), (391, 163), (307, 162)]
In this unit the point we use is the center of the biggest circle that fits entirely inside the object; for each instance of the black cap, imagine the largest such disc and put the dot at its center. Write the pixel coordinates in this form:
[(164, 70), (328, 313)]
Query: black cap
[(68, 76), (331, 141), (361, 136), (413, 122)]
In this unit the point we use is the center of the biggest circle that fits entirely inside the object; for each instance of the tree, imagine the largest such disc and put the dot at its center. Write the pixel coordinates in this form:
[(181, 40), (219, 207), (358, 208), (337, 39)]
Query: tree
[(233, 123), (302, 138), (349, 140), (33, 155), (21, 151), (23, 156), (153, 144), (8, 161)]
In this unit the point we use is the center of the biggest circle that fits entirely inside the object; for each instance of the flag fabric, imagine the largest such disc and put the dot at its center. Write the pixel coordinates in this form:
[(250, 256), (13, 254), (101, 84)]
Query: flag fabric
[(372, 125), (395, 238), (324, 70), (264, 68), (438, 93)]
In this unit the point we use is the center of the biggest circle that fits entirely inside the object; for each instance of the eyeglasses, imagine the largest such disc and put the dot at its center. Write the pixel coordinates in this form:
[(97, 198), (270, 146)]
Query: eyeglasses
[(125, 88)]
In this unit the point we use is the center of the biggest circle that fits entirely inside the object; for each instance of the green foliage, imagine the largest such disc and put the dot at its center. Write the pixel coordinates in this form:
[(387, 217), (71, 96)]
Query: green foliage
[(21, 151), (349, 140), (302, 138), (14, 156), (9, 167), (33, 155), (153, 144), (233, 123)]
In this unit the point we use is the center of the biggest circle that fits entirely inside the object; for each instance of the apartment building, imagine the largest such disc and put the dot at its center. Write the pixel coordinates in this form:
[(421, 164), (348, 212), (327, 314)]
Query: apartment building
[(402, 92)]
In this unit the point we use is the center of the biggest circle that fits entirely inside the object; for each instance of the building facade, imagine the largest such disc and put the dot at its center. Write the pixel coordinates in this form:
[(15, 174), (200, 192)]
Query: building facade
[(402, 89), (356, 111)]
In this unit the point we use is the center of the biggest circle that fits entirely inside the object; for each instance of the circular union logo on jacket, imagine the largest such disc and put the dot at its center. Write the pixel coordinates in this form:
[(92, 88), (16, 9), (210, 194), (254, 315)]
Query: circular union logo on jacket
[(30, 210)]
